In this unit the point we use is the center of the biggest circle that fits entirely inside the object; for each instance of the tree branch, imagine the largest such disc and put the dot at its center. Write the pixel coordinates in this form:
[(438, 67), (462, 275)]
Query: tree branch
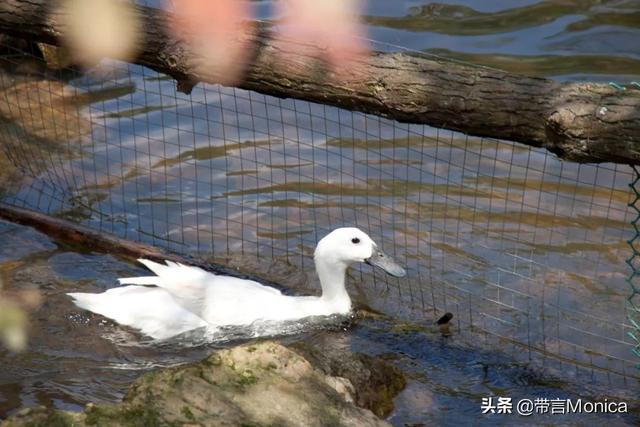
[(582, 122)]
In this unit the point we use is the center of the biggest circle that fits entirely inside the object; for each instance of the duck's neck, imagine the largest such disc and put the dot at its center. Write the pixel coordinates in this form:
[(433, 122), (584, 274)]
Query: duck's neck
[(332, 279)]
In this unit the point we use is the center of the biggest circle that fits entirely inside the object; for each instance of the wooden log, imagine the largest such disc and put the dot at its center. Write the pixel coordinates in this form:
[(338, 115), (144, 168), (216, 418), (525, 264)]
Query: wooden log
[(582, 122)]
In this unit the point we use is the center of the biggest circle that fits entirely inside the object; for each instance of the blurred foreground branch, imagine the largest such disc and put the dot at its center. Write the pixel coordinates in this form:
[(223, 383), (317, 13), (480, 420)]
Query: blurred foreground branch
[(581, 122)]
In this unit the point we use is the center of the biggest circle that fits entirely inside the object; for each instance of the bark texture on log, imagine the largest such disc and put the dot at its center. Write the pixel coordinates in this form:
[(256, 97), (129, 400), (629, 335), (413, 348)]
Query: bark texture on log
[(582, 122)]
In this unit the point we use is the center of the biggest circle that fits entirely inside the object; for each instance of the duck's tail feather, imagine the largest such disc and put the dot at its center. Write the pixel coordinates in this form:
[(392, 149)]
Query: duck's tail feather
[(168, 269), (154, 266), (186, 284), (85, 301), (144, 280)]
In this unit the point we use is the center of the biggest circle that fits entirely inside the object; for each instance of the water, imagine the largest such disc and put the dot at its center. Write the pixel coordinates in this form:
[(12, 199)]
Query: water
[(75, 357), (527, 252)]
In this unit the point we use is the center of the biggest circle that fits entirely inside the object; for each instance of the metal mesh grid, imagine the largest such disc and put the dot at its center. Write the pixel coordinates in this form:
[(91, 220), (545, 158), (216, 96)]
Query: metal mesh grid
[(632, 261), (526, 251)]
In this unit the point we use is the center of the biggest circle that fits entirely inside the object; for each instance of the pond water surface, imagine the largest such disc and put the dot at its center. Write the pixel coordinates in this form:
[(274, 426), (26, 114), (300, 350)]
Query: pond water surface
[(526, 251)]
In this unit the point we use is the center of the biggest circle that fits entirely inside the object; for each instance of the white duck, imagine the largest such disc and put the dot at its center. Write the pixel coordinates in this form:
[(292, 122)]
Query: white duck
[(186, 298)]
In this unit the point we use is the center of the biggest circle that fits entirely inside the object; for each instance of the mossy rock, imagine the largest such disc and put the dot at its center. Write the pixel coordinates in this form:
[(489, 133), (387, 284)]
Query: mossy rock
[(261, 384), (375, 382), (41, 416)]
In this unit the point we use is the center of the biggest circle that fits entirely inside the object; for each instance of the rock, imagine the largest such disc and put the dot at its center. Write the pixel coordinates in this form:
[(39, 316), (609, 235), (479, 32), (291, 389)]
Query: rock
[(374, 381), (41, 416), (254, 384)]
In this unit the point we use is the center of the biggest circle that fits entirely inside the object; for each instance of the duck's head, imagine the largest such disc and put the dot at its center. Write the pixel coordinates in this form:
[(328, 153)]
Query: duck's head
[(349, 245)]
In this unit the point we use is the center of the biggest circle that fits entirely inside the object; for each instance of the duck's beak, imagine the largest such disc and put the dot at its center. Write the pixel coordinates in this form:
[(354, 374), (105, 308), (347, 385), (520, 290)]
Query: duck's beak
[(385, 262)]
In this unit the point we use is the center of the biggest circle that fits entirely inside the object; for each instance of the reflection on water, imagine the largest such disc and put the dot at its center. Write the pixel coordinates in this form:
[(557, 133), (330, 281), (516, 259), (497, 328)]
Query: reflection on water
[(233, 334), (526, 251), (591, 39), (467, 21), (550, 65), (75, 357), (515, 243)]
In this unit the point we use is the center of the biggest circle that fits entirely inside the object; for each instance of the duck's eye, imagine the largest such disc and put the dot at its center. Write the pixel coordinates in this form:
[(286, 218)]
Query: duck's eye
[(355, 240)]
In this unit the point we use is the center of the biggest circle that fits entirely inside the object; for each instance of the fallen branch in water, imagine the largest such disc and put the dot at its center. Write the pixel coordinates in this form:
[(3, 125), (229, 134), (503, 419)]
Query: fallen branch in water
[(582, 122), (73, 234)]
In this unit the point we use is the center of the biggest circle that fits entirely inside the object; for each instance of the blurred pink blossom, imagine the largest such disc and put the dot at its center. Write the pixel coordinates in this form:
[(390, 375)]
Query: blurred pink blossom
[(218, 32), (328, 29)]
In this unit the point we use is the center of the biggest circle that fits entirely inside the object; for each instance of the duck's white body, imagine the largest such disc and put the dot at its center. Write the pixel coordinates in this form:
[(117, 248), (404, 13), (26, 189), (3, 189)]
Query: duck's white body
[(186, 298)]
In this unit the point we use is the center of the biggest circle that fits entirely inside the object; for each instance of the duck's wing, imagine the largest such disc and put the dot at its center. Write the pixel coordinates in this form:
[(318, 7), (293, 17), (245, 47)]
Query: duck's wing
[(235, 301), (151, 310), (218, 299), (191, 287), (186, 284)]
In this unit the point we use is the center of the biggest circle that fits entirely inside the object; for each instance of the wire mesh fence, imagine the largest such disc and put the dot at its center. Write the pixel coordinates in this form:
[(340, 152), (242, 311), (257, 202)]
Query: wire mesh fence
[(526, 251), (632, 261)]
